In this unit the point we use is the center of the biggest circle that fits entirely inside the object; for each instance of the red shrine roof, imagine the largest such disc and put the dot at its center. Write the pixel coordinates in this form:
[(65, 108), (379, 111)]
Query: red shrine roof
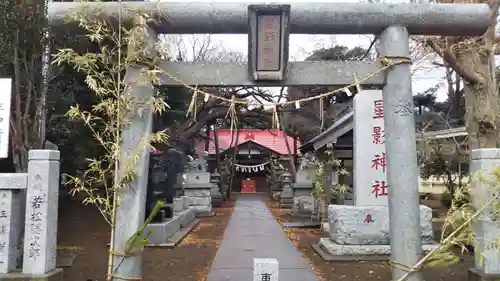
[(271, 139)]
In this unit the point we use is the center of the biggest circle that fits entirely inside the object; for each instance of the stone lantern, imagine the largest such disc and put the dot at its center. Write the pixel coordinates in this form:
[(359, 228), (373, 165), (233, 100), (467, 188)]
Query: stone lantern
[(278, 177), (287, 191), (286, 178), (303, 200), (216, 190), (215, 177)]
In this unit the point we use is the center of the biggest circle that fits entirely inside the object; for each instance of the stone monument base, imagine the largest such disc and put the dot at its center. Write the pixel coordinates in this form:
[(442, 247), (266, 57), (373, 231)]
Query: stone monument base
[(369, 225), (161, 231), (286, 198), (202, 210), (55, 275), (186, 216), (199, 198), (216, 197), (286, 203), (335, 249), (303, 206), (478, 275)]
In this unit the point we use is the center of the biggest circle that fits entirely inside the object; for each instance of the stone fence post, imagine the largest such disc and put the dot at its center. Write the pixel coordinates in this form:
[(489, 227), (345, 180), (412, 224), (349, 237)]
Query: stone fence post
[(11, 186), (40, 234), (487, 259)]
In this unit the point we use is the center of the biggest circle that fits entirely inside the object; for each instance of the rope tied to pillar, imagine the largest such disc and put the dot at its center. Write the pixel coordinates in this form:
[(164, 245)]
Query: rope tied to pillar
[(404, 267), (390, 61)]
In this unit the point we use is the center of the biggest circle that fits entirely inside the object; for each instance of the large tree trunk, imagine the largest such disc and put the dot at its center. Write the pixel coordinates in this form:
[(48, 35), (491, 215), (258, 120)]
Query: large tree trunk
[(481, 96), (481, 116), (473, 60), (26, 61), (217, 157), (233, 168)]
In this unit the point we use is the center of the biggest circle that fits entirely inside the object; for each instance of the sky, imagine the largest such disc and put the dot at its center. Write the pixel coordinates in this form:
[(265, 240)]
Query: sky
[(426, 76)]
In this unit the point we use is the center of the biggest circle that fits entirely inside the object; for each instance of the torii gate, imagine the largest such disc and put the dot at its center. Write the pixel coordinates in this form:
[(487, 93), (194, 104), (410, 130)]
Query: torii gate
[(392, 22)]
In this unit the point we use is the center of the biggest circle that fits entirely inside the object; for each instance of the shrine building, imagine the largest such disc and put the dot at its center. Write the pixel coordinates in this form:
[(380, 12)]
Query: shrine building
[(255, 150)]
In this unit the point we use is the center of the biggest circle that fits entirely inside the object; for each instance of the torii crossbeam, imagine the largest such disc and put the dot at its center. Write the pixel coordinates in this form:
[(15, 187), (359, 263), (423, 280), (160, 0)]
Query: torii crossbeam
[(393, 23)]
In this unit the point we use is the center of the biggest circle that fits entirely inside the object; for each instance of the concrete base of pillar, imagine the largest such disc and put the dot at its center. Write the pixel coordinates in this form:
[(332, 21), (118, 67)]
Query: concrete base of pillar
[(202, 210), (477, 275), (55, 275)]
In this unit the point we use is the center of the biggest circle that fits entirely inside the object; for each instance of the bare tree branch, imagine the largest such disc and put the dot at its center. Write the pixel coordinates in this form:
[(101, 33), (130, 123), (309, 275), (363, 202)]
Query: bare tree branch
[(451, 60)]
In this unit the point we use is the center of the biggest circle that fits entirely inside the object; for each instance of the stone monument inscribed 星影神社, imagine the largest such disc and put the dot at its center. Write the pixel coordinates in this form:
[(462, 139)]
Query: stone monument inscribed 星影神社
[(363, 229), (370, 176)]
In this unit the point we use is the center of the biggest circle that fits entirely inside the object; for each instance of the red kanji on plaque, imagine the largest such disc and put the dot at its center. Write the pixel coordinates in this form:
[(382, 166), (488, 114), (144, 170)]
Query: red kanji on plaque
[(377, 135), (269, 23), (368, 219), (268, 50), (378, 109), (379, 188), (379, 162), (269, 35)]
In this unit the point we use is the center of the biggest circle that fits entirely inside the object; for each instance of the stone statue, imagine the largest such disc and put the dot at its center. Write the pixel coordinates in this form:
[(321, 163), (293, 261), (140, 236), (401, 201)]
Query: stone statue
[(199, 164)]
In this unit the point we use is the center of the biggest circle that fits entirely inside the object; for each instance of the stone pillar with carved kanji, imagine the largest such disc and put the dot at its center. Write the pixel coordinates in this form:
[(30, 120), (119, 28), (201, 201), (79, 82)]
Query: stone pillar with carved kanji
[(40, 230), (41, 215), (363, 229), (11, 187)]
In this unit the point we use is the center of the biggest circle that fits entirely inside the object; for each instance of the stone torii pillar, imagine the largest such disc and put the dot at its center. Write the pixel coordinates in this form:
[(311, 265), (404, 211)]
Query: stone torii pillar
[(130, 213), (393, 22)]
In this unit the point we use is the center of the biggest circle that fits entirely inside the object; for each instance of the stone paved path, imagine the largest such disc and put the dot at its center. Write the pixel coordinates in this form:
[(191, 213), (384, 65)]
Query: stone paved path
[(253, 232)]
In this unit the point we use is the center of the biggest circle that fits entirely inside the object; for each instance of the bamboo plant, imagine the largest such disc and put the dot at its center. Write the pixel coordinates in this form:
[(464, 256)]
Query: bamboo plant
[(104, 73)]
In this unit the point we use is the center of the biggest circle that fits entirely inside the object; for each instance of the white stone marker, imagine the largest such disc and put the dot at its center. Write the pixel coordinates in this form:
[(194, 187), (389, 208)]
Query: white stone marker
[(265, 269), (10, 219), (370, 179), (5, 100), (40, 237)]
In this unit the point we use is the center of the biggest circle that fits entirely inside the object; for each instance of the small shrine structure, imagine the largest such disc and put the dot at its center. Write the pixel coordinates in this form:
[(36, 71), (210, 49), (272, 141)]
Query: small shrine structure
[(255, 150)]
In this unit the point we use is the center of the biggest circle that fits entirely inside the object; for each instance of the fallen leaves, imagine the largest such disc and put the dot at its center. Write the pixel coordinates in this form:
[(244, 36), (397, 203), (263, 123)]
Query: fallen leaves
[(203, 275)]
